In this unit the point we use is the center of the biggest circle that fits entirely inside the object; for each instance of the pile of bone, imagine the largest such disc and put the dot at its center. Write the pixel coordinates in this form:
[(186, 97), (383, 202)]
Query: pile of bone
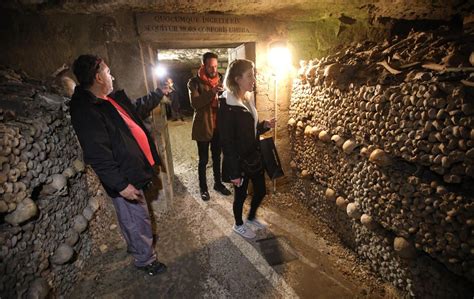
[(44, 197), (37, 146), (428, 56), (418, 279), (425, 216), (427, 123), (396, 153)]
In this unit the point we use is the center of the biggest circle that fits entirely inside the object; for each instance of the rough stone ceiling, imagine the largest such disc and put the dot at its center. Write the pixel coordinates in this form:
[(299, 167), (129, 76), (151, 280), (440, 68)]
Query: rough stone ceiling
[(188, 54), (188, 58), (302, 10)]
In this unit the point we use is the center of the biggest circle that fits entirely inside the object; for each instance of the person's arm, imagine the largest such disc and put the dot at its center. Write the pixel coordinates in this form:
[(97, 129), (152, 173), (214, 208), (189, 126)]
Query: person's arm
[(97, 148), (200, 98), (147, 103), (228, 139), (264, 126)]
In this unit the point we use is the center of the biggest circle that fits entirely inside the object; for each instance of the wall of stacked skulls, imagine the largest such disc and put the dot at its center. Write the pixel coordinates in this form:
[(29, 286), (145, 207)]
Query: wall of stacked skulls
[(48, 198), (382, 137)]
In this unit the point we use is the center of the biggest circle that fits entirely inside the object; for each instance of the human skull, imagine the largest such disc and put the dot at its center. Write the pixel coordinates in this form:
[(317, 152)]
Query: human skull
[(59, 184)]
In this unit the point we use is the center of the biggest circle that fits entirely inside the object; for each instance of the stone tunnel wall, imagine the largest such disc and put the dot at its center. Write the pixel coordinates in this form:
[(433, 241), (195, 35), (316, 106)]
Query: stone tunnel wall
[(50, 204), (383, 143)]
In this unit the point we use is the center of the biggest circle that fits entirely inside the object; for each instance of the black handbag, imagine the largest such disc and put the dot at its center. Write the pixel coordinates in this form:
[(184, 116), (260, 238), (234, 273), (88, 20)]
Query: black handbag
[(270, 158)]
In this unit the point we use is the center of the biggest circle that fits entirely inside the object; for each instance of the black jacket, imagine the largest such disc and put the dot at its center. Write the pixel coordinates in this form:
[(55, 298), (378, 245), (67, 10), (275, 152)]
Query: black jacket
[(237, 137), (107, 142)]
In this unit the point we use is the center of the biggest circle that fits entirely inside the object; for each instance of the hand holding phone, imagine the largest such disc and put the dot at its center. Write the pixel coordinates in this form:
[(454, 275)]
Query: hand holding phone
[(218, 89)]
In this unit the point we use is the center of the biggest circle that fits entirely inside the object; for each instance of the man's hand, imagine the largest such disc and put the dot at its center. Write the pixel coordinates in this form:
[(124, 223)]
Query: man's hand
[(131, 193), (217, 88)]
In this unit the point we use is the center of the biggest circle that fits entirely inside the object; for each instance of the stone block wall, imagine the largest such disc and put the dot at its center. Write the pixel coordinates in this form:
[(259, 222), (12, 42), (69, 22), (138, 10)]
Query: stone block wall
[(383, 143)]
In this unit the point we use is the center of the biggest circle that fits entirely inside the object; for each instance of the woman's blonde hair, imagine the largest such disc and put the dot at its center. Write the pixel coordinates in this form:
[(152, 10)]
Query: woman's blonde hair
[(237, 68)]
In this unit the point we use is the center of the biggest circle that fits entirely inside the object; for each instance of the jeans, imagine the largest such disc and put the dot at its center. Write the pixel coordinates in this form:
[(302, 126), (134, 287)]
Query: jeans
[(135, 224)]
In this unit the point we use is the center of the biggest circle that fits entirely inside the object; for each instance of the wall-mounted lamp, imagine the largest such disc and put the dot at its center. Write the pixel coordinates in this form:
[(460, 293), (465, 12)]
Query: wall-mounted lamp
[(279, 58)]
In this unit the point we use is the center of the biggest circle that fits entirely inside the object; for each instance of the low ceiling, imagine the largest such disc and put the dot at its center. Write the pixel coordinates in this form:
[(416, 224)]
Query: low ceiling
[(301, 10), (186, 59)]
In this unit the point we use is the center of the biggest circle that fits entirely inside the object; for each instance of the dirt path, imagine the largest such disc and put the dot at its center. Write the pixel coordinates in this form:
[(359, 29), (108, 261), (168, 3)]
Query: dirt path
[(206, 259)]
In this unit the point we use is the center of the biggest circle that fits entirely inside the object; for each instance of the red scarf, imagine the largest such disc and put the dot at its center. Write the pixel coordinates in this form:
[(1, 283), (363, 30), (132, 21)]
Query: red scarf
[(211, 82), (136, 130)]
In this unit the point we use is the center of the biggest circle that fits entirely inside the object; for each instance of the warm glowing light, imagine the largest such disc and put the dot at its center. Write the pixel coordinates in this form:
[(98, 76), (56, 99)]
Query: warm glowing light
[(279, 58), (160, 71)]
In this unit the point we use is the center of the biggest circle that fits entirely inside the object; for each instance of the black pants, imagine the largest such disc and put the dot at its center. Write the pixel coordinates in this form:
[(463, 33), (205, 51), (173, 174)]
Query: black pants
[(203, 151), (240, 194)]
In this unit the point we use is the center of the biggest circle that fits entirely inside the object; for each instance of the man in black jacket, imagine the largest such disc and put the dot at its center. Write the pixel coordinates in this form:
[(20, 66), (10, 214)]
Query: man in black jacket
[(120, 150)]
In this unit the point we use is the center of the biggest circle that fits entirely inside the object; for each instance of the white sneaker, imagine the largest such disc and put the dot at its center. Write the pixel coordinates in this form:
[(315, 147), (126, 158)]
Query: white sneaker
[(259, 224), (244, 231)]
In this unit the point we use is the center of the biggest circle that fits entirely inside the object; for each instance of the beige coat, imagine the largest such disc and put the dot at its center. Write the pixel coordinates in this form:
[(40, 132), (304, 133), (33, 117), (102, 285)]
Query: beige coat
[(200, 96)]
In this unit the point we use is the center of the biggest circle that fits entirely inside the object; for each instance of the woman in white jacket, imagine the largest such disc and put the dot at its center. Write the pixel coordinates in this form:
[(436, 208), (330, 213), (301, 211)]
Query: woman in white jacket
[(240, 131)]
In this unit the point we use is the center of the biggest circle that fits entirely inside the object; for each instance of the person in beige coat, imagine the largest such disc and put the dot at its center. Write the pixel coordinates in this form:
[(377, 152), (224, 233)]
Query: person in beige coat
[(204, 90)]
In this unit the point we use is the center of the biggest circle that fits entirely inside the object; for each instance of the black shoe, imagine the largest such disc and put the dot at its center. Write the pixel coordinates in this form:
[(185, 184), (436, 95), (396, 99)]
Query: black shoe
[(221, 189), (205, 195), (154, 268), (174, 119), (182, 118)]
